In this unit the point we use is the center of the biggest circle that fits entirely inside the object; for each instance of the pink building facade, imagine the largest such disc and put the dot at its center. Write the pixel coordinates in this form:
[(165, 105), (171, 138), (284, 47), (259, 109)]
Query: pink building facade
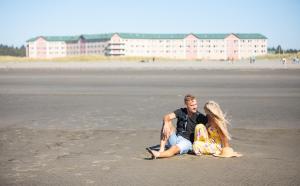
[(232, 46)]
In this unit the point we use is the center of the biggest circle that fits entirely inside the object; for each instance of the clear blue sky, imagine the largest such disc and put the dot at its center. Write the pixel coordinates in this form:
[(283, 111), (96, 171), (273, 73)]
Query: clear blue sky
[(279, 20)]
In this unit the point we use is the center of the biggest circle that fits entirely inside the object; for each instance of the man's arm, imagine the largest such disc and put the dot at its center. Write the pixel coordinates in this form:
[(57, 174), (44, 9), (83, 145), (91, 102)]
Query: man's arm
[(168, 128), (202, 119)]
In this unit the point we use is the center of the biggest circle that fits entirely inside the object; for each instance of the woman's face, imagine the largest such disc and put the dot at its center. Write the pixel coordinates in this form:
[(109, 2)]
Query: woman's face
[(210, 117)]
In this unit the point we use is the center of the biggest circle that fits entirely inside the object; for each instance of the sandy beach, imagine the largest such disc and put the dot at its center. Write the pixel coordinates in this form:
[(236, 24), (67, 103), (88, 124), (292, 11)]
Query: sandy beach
[(90, 124)]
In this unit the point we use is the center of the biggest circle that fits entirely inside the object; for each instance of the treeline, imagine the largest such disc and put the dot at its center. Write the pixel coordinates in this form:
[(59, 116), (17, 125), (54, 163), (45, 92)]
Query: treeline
[(6, 50), (279, 50)]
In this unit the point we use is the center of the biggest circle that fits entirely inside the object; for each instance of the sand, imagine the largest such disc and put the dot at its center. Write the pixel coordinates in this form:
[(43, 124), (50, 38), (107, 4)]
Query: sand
[(91, 126), (117, 157)]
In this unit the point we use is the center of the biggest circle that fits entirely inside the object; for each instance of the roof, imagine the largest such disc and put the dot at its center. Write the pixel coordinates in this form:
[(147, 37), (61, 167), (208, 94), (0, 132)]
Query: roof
[(56, 38), (250, 36), (211, 36), (107, 36), (97, 37), (151, 36)]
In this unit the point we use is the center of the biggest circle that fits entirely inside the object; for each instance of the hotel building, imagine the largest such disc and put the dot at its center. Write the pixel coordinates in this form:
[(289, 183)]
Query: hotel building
[(191, 46)]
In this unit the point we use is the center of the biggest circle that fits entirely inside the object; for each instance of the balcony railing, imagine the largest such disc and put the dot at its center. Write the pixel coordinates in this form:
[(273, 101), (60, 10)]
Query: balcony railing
[(115, 47), (115, 52)]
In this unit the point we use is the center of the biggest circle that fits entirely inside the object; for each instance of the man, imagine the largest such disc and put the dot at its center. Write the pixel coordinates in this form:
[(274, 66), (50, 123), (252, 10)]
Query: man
[(180, 139)]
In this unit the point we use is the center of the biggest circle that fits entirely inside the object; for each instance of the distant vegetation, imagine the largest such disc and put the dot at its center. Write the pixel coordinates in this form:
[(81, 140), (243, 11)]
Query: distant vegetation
[(91, 58), (279, 50), (288, 56), (6, 50), (83, 58)]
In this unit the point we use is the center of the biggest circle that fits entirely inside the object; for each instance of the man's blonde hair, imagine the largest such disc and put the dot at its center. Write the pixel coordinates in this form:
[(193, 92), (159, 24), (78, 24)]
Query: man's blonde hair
[(188, 98)]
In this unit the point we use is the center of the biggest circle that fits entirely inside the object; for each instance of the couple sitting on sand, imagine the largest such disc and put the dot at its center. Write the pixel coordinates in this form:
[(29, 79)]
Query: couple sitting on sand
[(195, 132)]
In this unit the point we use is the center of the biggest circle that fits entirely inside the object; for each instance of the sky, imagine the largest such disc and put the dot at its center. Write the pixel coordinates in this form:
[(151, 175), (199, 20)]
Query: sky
[(278, 20)]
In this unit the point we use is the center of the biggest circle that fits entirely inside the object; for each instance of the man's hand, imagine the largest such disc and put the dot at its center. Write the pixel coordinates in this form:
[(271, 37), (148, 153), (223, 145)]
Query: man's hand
[(168, 127), (166, 131)]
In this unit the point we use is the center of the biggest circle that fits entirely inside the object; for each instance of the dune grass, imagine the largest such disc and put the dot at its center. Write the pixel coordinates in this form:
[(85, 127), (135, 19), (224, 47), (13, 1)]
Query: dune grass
[(97, 58), (83, 58), (288, 56)]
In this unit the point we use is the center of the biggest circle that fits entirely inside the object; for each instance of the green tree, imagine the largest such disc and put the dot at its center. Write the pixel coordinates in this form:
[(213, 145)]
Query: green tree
[(279, 50), (271, 50), (12, 51)]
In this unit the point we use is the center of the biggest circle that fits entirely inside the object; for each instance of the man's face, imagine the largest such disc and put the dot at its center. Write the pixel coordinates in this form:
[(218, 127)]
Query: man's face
[(192, 106)]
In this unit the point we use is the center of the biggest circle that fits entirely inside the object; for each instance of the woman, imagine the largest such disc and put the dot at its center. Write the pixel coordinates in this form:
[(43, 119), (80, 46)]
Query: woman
[(213, 139)]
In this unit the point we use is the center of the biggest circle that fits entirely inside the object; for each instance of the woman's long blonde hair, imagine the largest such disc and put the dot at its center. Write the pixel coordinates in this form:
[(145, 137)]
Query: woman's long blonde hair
[(213, 109)]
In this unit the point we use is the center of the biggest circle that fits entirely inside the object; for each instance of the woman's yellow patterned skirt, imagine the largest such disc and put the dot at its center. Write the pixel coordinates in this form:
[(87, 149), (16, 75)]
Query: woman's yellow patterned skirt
[(206, 141)]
